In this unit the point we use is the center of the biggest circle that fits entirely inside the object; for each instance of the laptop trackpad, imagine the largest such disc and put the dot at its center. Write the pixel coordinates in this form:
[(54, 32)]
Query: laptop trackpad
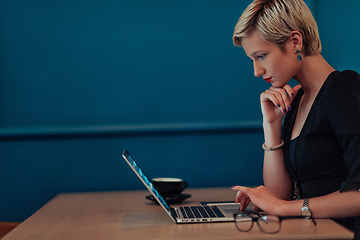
[(231, 208)]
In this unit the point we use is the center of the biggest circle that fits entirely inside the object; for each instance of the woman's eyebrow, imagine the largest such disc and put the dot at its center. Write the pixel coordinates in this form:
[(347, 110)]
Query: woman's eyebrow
[(256, 53)]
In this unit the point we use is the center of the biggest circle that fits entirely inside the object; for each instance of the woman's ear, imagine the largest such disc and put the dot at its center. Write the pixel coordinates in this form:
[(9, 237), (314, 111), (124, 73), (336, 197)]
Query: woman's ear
[(296, 40)]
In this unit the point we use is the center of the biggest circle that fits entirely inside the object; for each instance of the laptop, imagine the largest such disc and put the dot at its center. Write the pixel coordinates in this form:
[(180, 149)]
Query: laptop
[(185, 214)]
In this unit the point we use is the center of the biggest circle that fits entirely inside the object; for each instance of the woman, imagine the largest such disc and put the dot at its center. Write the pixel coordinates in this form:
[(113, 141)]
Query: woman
[(315, 151)]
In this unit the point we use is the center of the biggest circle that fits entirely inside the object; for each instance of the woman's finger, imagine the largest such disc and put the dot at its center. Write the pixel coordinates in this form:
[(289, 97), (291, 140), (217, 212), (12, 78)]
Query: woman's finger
[(238, 196), (243, 205), (243, 200), (277, 97), (290, 91), (297, 88)]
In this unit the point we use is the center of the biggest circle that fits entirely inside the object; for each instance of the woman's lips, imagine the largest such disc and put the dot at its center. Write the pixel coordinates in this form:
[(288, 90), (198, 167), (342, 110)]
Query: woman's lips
[(268, 80)]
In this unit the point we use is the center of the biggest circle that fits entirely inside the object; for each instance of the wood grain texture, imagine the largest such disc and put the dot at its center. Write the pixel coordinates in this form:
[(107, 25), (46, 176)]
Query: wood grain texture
[(128, 215)]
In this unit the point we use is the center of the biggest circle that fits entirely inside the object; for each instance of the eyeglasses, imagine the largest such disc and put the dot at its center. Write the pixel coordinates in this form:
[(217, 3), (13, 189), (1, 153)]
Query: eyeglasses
[(244, 221)]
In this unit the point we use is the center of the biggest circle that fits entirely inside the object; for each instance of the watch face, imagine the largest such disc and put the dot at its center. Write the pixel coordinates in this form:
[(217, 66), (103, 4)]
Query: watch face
[(305, 212)]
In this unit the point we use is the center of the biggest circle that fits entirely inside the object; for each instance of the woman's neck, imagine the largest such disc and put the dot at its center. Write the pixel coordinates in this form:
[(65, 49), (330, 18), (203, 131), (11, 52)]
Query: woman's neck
[(313, 74)]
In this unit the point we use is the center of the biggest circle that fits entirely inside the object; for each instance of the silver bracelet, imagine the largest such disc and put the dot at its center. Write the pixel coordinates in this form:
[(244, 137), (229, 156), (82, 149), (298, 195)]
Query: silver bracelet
[(273, 148)]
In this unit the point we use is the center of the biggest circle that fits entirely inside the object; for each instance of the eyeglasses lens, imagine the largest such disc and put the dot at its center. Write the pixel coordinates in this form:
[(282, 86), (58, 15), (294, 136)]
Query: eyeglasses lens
[(243, 222), (269, 224)]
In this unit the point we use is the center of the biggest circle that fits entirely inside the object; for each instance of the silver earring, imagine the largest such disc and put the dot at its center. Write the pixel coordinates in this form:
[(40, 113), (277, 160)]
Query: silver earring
[(299, 55)]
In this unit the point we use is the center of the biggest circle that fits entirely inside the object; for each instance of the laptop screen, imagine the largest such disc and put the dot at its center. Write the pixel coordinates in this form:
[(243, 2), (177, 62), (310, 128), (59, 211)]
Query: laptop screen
[(145, 180)]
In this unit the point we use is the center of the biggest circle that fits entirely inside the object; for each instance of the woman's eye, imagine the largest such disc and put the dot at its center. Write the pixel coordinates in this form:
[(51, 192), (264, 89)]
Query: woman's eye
[(258, 57), (261, 57)]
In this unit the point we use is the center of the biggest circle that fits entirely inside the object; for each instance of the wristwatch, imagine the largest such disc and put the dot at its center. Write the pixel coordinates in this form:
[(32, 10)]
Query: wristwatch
[(305, 210)]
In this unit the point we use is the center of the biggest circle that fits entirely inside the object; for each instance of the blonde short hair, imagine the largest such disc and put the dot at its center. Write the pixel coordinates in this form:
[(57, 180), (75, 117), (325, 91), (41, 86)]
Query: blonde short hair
[(275, 20)]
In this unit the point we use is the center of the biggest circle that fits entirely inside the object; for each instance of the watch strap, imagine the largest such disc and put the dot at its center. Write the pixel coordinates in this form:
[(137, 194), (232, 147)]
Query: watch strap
[(306, 202)]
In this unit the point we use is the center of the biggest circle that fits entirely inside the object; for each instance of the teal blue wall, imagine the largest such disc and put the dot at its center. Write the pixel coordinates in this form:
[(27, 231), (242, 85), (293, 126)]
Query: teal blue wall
[(80, 81)]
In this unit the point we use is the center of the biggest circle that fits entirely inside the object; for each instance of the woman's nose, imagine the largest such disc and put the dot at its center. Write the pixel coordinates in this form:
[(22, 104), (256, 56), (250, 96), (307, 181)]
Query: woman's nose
[(258, 70)]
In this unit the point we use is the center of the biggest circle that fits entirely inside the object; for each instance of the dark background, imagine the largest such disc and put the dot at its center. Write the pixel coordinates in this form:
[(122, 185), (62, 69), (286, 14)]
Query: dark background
[(80, 81)]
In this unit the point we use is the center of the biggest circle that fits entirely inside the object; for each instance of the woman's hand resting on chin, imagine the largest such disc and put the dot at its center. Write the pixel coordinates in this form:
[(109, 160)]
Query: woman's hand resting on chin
[(276, 102)]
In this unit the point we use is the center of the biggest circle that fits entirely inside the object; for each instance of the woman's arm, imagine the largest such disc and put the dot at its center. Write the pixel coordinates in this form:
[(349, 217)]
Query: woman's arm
[(275, 102), (334, 205), (275, 175)]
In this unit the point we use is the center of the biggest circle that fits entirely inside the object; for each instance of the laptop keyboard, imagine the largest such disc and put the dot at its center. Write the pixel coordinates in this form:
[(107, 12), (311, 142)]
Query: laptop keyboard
[(201, 212)]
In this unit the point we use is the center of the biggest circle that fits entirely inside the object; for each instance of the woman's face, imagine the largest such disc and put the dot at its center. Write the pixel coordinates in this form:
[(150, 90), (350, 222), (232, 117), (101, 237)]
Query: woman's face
[(275, 66)]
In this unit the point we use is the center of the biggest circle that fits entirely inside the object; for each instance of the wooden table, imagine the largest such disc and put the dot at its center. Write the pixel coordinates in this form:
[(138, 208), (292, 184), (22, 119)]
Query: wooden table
[(128, 215)]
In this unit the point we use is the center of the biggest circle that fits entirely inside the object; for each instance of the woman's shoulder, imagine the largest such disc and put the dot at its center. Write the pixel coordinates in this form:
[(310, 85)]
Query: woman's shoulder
[(344, 81), (341, 99), (348, 75)]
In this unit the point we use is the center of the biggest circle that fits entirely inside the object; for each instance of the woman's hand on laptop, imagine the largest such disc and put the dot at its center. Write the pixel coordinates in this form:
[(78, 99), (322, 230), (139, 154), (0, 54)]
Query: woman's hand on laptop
[(261, 197)]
